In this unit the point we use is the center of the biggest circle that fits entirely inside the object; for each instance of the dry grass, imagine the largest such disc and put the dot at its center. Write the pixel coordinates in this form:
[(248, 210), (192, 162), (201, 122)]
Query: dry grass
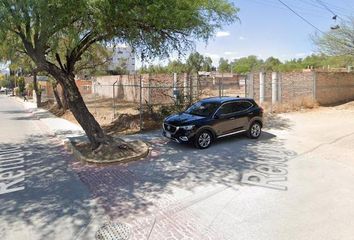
[(298, 104)]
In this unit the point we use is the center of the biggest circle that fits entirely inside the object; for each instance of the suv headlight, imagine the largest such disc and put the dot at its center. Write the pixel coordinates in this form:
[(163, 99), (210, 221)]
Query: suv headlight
[(189, 127)]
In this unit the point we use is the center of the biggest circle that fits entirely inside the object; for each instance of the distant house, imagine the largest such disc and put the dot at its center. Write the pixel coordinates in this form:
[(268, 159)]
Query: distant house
[(122, 57)]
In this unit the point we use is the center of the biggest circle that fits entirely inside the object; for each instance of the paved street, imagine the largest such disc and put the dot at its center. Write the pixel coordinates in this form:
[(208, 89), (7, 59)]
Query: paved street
[(293, 183), (41, 197)]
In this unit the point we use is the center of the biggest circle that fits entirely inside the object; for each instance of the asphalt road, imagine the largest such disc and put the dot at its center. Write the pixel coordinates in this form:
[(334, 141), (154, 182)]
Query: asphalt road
[(40, 196), (295, 182)]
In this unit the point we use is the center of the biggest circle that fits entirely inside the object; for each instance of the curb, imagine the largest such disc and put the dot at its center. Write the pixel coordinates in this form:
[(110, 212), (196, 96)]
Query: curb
[(78, 155), (143, 152)]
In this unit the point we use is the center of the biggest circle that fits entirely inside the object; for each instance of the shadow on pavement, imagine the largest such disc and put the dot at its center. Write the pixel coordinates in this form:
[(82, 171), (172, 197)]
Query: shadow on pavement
[(138, 188), (54, 203)]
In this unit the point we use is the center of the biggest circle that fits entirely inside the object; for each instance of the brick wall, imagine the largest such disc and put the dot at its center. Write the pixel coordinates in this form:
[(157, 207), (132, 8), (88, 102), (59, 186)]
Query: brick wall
[(296, 85), (158, 88), (326, 87), (85, 86), (334, 87)]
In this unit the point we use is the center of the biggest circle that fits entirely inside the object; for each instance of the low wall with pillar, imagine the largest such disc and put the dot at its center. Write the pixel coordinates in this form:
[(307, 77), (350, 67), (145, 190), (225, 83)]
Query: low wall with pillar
[(324, 87), (281, 87)]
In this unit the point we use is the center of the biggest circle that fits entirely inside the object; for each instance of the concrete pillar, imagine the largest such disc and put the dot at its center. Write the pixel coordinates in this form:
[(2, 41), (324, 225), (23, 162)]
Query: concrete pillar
[(175, 95), (249, 85), (185, 86), (275, 87), (261, 86)]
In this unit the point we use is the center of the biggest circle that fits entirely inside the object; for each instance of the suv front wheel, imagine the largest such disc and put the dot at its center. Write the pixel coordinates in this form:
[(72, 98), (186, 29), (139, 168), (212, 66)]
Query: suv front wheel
[(203, 139), (255, 130)]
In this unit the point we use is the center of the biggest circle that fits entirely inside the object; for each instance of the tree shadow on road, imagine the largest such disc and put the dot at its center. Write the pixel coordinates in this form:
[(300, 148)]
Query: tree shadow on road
[(140, 188), (54, 203)]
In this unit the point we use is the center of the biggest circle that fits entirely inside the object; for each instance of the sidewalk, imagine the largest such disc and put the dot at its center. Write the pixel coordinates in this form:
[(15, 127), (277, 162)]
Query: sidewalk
[(62, 128)]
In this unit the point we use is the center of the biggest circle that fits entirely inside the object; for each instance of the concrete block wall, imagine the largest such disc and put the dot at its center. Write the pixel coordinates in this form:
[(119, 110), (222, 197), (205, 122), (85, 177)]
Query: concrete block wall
[(324, 87), (296, 85), (334, 87)]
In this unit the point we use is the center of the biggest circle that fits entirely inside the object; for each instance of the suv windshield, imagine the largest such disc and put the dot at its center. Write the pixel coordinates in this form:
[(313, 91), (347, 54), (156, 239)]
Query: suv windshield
[(204, 109)]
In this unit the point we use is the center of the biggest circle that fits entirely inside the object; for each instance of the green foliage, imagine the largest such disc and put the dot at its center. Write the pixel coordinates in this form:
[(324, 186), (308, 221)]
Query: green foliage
[(207, 64), (21, 84), (195, 62), (272, 64), (224, 65), (338, 42), (154, 69), (7, 81), (153, 27), (176, 66), (246, 64)]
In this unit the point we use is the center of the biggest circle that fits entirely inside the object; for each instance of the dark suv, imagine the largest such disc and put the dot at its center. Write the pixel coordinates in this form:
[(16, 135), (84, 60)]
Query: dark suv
[(213, 118)]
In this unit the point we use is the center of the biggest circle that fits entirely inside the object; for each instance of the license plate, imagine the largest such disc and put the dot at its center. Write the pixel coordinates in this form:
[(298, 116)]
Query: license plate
[(168, 134)]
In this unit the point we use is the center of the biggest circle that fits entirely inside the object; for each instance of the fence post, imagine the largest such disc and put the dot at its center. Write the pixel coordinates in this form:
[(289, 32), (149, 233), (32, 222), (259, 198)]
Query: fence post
[(94, 95), (250, 87), (114, 99), (190, 89), (261, 86), (185, 86), (149, 97), (222, 84), (219, 87), (314, 81), (141, 103), (175, 87), (274, 87), (279, 87)]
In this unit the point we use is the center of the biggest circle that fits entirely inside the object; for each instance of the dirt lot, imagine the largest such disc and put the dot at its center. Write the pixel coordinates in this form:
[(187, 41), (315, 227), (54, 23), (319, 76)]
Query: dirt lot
[(121, 117)]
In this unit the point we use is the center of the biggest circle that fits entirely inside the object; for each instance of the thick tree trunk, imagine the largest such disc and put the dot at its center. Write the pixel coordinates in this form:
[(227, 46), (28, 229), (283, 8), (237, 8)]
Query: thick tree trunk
[(64, 101), (78, 108), (36, 90), (56, 95)]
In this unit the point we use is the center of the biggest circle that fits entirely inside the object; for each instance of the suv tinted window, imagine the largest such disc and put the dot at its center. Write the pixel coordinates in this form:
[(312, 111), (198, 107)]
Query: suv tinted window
[(244, 105), (227, 108), (234, 107), (202, 108)]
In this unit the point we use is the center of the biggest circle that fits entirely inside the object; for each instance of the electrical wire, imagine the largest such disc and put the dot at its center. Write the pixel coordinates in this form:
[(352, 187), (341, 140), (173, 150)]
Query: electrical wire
[(330, 10), (300, 16)]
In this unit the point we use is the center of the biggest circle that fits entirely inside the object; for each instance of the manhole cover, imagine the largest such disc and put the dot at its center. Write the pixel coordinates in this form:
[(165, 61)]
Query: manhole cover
[(113, 231)]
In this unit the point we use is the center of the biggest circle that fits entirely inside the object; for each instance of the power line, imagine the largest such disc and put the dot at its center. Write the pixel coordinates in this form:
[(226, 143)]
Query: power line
[(326, 7), (304, 19)]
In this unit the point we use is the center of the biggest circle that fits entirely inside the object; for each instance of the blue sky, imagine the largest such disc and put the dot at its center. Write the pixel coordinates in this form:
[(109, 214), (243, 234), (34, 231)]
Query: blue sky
[(267, 28)]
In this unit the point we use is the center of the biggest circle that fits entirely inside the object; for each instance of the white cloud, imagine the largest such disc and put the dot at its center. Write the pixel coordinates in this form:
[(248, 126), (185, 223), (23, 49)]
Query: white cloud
[(242, 38), (222, 34)]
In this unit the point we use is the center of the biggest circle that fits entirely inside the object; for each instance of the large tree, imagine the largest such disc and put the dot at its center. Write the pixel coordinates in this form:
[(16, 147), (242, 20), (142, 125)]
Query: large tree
[(37, 27)]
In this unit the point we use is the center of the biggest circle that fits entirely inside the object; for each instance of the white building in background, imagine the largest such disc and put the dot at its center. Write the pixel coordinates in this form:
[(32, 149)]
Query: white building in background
[(4, 68), (123, 57)]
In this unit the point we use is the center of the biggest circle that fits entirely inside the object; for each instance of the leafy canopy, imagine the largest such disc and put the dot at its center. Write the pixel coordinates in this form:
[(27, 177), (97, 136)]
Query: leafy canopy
[(339, 41), (40, 28)]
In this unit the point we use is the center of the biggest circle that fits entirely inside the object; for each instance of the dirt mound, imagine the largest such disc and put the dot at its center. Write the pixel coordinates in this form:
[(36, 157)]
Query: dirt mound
[(346, 106), (130, 123)]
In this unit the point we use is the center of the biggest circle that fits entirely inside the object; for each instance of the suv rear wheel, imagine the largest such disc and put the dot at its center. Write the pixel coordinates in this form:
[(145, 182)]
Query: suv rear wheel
[(255, 130), (203, 139)]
